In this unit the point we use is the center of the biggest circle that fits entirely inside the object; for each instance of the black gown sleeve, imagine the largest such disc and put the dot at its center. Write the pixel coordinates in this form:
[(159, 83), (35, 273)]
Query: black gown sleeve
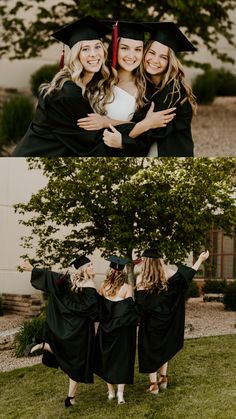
[(45, 280)]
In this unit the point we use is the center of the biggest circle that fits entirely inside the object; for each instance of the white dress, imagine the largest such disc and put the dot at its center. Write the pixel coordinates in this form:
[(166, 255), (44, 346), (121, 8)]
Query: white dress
[(123, 106)]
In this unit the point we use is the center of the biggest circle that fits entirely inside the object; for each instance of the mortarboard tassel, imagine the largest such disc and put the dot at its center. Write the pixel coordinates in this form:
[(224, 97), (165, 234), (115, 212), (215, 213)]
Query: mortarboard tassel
[(114, 45), (62, 58)]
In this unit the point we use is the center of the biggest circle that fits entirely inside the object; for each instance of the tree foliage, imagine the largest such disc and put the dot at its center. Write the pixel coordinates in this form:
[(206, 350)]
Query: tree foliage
[(204, 20), (121, 205)]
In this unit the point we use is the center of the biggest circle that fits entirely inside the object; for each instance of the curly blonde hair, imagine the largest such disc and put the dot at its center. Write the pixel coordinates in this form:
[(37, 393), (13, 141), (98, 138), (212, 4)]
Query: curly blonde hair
[(98, 91), (113, 282), (174, 73), (78, 277), (153, 275)]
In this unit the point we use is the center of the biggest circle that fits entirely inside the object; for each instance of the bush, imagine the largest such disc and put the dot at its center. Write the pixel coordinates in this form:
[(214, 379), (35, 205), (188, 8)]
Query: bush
[(1, 306), (212, 83), (204, 87), (214, 286), (192, 291), (225, 83), (230, 297), (16, 115), (44, 75), (30, 331)]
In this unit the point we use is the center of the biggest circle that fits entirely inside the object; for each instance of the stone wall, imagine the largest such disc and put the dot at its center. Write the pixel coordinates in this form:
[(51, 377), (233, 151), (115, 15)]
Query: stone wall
[(27, 305)]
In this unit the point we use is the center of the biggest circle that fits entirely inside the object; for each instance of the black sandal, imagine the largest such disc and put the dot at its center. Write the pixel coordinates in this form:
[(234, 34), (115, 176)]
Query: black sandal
[(27, 351), (67, 401)]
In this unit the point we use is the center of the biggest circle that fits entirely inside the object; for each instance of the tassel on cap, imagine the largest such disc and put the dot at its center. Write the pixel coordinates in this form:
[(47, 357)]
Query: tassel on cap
[(62, 58), (114, 45)]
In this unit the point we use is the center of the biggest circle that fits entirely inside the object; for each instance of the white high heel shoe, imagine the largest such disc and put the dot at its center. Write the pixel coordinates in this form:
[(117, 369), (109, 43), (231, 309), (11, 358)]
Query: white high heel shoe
[(153, 389), (120, 398), (110, 396), (162, 383)]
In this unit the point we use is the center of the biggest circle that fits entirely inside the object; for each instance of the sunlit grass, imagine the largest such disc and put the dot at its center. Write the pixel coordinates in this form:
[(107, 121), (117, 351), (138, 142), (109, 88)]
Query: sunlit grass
[(202, 385)]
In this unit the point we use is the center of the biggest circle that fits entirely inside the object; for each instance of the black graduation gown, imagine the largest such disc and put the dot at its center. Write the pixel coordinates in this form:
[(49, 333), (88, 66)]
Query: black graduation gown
[(161, 330), (174, 140), (54, 131), (115, 342), (69, 326)]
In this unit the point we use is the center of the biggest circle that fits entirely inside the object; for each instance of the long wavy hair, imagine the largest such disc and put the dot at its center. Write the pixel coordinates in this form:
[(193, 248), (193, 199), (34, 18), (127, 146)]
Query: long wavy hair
[(140, 82), (98, 91), (153, 275), (174, 73), (78, 277), (113, 282)]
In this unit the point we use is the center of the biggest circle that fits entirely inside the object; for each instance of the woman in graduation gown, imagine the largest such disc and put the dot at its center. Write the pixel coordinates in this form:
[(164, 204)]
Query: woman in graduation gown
[(69, 334), (130, 88), (160, 297), (116, 336), (80, 87), (166, 89)]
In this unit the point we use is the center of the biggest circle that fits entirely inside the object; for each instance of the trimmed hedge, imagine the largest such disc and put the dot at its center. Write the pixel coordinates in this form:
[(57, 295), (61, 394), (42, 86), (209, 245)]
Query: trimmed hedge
[(44, 74), (214, 286), (230, 297), (192, 291), (15, 117), (212, 83)]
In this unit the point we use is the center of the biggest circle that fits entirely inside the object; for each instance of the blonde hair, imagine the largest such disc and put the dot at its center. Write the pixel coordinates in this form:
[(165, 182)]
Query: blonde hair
[(141, 84), (153, 275), (113, 282), (79, 276), (174, 73), (98, 91)]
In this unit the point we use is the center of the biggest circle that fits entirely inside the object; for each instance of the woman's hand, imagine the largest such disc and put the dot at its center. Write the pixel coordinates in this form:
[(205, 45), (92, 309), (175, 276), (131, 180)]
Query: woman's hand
[(93, 122), (159, 119), (112, 139), (203, 256), (26, 266)]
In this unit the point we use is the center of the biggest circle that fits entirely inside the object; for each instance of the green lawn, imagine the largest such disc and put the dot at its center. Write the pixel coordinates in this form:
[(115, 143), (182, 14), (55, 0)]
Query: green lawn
[(202, 385)]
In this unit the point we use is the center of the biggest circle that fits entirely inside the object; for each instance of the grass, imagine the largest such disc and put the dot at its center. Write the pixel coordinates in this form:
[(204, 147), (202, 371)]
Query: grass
[(202, 385)]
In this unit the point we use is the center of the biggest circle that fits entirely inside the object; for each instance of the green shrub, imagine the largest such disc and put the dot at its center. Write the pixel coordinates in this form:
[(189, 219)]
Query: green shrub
[(30, 331), (230, 297), (204, 87), (214, 286), (43, 75), (212, 83), (1, 306), (16, 115), (192, 291), (225, 83)]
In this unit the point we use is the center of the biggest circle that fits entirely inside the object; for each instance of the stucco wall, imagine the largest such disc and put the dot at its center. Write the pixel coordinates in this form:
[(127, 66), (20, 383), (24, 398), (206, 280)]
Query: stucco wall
[(17, 184)]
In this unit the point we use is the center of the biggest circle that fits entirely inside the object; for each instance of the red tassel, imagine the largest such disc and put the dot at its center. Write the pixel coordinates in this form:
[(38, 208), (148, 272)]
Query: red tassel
[(137, 261), (114, 45), (62, 59)]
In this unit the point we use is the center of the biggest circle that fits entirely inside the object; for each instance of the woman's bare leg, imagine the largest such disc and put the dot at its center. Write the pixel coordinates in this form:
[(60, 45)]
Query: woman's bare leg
[(162, 383), (111, 391), (120, 393)]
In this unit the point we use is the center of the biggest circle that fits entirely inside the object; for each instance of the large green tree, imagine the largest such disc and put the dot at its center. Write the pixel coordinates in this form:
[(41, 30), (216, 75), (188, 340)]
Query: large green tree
[(204, 20), (121, 205)]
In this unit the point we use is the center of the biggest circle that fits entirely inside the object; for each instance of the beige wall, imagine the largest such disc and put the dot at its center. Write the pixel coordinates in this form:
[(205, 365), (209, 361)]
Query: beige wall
[(16, 73), (17, 184)]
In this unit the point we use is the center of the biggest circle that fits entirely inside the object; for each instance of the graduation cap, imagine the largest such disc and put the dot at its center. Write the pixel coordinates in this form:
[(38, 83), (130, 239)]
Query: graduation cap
[(169, 34), (117, 263), (122, 29), (80, 261), (85, 29), (151, 253)]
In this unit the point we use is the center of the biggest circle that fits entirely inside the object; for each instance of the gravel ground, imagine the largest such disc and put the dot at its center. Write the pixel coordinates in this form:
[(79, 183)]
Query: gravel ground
[(202, 319), (214, 128)]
